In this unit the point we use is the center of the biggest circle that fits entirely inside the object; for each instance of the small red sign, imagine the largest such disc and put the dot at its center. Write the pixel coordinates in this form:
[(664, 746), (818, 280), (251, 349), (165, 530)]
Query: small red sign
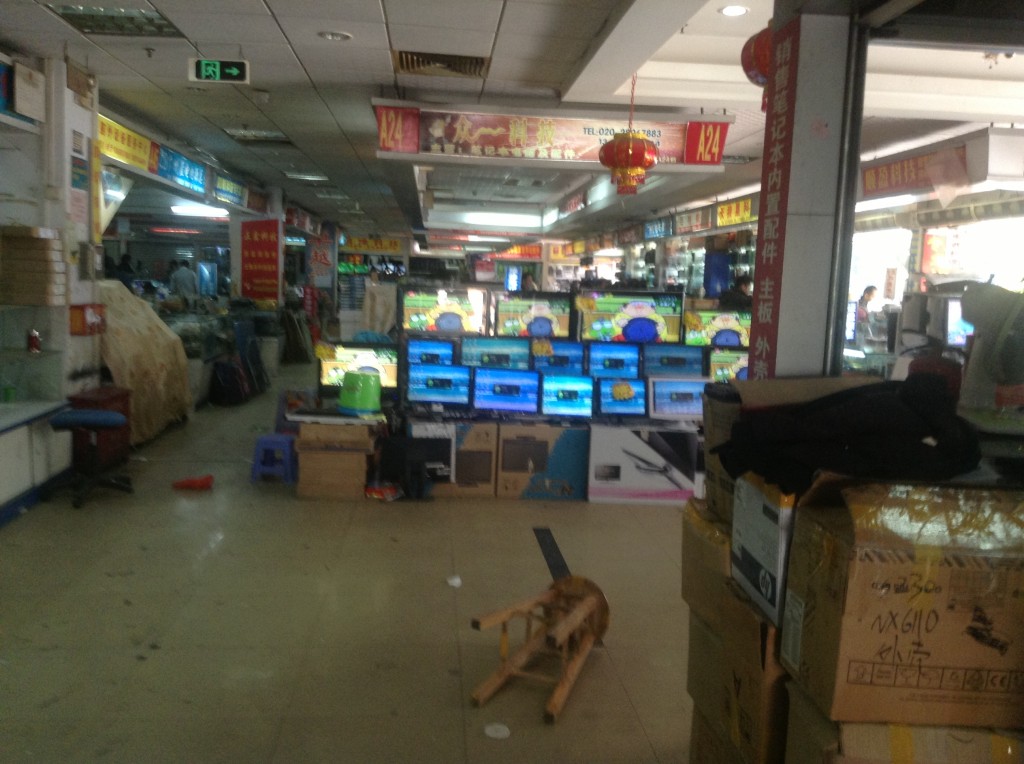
[(261, 259), (705, 142), (398, 129)]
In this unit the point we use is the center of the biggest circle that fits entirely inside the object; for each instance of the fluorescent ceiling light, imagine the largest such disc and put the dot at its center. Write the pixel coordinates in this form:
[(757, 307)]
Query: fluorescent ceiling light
[(199, 211), (112, 194), (734, 10), (475, 237), (509, 219), (314, 176), (888, 201)]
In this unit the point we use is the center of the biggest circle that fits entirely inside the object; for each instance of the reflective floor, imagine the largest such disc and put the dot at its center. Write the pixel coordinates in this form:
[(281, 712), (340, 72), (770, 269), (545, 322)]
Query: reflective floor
[(246, 625)]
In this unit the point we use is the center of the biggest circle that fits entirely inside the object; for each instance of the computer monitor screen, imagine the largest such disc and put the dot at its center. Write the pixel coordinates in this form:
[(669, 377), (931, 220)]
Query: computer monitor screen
[(850, 333), (557, 356), (436, 352), (665, 360), (630, 316), (957, 330), (567, 396), (440, 385), (441, 311), (621, 397), (678, 398), (496, 352), (506, 391), (382, 359), (717, 328), (613, 360), (724, 365), (538, 314)]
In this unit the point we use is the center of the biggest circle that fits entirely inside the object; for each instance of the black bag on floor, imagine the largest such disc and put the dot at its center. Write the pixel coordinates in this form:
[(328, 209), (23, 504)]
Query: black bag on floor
[(229, 385)]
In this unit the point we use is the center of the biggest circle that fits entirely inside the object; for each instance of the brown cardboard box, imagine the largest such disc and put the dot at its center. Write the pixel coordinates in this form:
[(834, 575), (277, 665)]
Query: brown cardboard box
[(814, 739), (735, 679), (904, 604), (15, 264), (34, 280), (330, 473), (542, 462), (18, 232), (476, 460), (708, 748), (706, 562), (24, 254), (346, 434)]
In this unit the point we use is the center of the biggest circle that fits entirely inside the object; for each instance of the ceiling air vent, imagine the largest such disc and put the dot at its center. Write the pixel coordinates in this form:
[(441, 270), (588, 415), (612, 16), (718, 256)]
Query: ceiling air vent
[(439, 64)]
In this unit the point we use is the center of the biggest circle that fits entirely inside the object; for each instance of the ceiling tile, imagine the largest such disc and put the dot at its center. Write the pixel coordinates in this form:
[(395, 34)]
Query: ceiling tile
[(539, 19), (237, 28), (184, 7), (421, 39), (456, 16), (358, 11), (305, 31), (539, 47)]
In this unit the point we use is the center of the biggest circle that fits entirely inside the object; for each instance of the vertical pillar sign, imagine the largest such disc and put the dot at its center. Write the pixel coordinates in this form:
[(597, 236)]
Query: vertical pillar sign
[(775, 177), (261, 259)]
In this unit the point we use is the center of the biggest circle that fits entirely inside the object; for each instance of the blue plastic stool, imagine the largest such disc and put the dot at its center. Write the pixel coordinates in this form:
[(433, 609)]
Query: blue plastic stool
[(275, 457), (87, 476)]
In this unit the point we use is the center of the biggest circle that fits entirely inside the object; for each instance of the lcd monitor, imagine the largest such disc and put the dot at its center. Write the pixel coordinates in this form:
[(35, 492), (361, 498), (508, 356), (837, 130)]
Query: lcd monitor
[(630, 316), (621, 397), (382, 359), (567, 396), (496, 352), (725, 365), (717, 328), (557, 356), (957, 330), (677, 398), (442, 311), (616, 360), (506, 391), (532, 314), (444, 386), (422, 350), (665, 360)]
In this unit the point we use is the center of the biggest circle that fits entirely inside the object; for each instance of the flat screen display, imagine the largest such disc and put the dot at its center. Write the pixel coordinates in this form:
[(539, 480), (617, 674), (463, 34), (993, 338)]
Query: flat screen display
[(525, 314), (725, 365), (436, 352), (440, 385), (382, 359), (630, 317), (717, 328), (957, 330), (557, 356), (664, 360), (567, 396), (441, 311), (678, 398), (618, 361), (496, 352), (621, 397), (506, 391)]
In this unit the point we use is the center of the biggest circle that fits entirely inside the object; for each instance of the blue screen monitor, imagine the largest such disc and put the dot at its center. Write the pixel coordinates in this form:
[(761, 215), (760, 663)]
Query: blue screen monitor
[(622, 397), (503, 391), (496, 352), (439, 385), (726, 365), (557, 357), (613, 359), (664, 360), (429, 351), (957, 330), (567, 396), (677, 398)]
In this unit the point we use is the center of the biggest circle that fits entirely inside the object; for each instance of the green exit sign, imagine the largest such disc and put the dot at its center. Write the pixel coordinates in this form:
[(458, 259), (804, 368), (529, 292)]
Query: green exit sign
[(216, 70)]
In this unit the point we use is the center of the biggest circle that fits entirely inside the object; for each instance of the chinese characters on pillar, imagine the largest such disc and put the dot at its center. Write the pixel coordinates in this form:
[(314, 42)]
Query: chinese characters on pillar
[(775, 174), (261, 259)]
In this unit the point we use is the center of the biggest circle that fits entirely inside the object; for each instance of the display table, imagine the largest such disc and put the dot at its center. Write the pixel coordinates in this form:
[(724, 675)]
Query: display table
[(31, 453)]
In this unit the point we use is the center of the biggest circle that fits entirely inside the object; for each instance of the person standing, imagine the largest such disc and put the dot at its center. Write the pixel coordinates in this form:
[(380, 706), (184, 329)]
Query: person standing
[(862, 304), (738, 297), (184, 282)]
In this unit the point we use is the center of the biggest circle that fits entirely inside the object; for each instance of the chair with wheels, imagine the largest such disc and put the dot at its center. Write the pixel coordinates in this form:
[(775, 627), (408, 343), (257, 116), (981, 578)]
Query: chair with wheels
[(88, 475)]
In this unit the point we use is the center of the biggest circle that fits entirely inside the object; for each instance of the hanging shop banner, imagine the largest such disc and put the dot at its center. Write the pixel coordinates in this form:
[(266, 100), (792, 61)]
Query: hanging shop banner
[(261, 259), (257, 201), (375, 246), (181, 170), (924, 172), (124, 145), (775, 174), (735, 212), (302, 220), (227, 190), (632, 235), (322, 257), (658, 229), (693, 220), (520, 252), (524, 137)]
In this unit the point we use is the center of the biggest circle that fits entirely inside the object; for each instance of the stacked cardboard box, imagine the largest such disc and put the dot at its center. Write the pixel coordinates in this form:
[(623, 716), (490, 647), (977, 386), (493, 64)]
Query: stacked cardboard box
[(649, 465), (541, 461), (32, 267), (474, 463), (333, 460)]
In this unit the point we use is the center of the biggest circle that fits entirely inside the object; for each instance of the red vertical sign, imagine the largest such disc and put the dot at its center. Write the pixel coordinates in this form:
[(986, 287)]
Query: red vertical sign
[(775, 174), (261, 259)]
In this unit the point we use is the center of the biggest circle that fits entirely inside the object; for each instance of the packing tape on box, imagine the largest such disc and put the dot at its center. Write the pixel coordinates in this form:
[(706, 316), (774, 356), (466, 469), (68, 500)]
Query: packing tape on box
[(1005, 750), (901, 744)]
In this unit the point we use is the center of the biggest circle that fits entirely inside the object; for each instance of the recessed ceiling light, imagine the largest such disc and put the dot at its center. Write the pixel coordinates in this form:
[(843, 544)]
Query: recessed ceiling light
[(199, 210), (335, 36), (734, 10), (310, 176)]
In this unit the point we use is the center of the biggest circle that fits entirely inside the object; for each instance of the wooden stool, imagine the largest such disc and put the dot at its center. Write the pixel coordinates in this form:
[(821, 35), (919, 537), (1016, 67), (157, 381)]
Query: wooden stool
[(565, 620), (274, 457)]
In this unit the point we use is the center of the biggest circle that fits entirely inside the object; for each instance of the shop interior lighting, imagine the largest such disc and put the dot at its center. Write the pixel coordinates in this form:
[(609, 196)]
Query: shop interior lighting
[(314, 177), (199, 211), (125, 22), (178, 231), (476, 237), (332, 36), (889, 201), (504, 219), (733, 11)]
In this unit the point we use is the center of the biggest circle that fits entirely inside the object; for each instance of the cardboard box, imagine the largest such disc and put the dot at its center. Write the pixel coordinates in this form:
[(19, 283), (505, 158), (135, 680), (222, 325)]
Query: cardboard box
[(542, 461), (734, 677), (350, 434), (475, 464), (642, 465), (326, 473), (708, 748), (706, 562), (33, 298), (814, 739), (13, 257), (11, 263), (904, 603), (17, 232), (762, 524), (719, 487)]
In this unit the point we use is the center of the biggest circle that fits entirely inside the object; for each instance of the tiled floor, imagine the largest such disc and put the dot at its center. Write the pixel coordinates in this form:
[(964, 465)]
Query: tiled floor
[(246, 625)]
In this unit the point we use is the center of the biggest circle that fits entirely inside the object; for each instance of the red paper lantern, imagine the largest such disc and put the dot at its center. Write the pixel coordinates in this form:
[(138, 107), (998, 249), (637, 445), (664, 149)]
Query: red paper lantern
[(756, 57), (629, 156)]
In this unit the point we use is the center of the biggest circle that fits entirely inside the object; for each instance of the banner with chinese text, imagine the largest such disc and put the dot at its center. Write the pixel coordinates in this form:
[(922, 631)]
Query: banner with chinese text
[(322, 258), (124, 145), (261, 259)]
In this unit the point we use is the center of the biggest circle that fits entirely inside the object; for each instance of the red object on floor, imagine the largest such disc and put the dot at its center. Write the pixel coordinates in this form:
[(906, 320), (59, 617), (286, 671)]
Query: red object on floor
[(203, 483)]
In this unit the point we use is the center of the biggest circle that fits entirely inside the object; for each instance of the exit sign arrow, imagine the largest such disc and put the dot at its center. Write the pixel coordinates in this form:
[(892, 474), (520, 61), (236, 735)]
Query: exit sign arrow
[(217, 70)]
